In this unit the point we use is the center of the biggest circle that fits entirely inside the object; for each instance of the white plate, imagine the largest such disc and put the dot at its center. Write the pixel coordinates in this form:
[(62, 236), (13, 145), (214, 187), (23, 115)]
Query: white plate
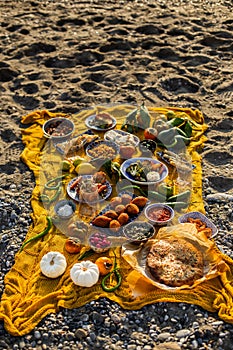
[(91, 118), (128, 162), (73, 194)]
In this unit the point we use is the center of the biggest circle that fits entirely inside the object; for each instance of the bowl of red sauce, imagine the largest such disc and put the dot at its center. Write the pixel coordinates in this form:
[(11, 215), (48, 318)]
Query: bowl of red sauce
[(159, 214)]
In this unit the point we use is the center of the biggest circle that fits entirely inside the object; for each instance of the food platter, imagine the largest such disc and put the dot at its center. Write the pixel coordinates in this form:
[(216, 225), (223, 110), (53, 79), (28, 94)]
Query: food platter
[(130, 163), (122, 137), (75, 196), (110, 207), (90, 123), (74, 144)]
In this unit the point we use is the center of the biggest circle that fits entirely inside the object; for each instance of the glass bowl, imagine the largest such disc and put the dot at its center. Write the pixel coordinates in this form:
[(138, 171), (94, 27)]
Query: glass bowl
[(58, 128)]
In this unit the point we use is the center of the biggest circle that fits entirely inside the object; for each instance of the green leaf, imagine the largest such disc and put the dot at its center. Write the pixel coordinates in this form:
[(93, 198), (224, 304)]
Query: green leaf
[(187, 128)]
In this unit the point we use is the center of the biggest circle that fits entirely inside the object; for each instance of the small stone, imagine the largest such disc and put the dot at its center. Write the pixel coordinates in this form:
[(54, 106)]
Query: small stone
[(167, 346), (37, 335), (97, 318), (85, 317), (13, 216), (217, 323), (22, 344), (194, 344), (183, 333), (115, 318), (70, 336), (164, 336), (81, 333), (195, 325), (92, 336), (131, 347)]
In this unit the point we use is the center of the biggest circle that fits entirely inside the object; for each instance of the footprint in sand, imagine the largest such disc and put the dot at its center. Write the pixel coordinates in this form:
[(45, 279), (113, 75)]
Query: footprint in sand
[(218, 158), (221, 183)]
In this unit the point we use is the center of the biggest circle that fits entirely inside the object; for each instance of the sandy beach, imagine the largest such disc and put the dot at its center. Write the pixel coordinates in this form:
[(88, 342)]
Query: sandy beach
[(71, 55)]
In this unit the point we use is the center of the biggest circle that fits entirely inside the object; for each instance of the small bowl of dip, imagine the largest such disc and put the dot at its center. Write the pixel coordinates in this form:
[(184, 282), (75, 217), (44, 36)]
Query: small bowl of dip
[(138, 231), (159, 214), (64, 209)]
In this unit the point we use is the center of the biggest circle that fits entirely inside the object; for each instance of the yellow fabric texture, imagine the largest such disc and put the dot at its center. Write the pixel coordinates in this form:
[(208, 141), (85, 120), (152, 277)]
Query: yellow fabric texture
[(29, 296)]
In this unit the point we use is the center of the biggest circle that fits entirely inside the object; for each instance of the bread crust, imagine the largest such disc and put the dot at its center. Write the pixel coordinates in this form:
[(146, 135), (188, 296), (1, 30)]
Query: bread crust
[(175, 262)]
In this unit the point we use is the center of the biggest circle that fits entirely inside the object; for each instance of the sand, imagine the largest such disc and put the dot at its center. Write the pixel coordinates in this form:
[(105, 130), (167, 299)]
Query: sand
[(68, 55)]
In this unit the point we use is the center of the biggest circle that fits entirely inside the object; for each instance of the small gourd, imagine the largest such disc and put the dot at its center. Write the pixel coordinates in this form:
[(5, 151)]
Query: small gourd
[(104, 264), (85, 273), (53, 264)]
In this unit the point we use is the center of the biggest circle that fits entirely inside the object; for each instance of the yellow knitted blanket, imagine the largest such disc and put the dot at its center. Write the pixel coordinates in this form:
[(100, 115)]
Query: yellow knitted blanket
[(29, 296)]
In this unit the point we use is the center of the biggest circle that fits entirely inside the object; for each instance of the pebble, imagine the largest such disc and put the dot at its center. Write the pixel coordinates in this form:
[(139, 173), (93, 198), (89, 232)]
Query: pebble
[(81, 333), (115, 318), (37, 335), (164, 336), (219, 197), (97, 318), (22, 344), (183, 333)]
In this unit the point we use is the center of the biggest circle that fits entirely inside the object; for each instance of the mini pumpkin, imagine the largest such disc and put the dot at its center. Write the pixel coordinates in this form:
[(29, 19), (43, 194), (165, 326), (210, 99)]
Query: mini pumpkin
[(73, 245), (85, 273), (53, 264), (104, 264)]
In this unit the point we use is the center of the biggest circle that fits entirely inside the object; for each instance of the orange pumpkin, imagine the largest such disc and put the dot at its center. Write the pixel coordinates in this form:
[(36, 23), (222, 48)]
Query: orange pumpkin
[(104, 264), (73, 245)]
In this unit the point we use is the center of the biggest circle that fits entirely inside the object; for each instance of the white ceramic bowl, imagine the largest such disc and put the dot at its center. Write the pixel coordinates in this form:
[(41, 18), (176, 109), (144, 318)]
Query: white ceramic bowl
[(152, 213)]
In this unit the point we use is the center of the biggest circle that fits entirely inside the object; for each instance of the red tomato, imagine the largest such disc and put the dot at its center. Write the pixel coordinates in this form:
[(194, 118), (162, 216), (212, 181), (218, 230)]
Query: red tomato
[(150, 133)]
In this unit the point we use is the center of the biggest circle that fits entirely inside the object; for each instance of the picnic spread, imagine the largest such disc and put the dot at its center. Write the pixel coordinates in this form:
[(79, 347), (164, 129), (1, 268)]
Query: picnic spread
[(117, 213)]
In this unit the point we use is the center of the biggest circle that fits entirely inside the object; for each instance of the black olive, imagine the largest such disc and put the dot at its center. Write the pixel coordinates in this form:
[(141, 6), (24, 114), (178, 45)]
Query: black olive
[(147, 146)]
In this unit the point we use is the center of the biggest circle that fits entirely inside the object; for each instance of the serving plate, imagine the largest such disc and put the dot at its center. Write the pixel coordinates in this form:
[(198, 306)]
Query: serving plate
[(121, 137), (109, 207), (129, 177), (90, 120), (74, 195)]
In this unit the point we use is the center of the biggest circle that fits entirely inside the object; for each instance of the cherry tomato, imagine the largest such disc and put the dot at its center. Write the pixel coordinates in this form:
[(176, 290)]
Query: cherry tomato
[(150, 133)]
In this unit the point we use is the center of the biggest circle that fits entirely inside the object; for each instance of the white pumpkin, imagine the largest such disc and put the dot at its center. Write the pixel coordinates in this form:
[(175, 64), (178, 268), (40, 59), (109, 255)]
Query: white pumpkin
[(85, 273), (53, 264)]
